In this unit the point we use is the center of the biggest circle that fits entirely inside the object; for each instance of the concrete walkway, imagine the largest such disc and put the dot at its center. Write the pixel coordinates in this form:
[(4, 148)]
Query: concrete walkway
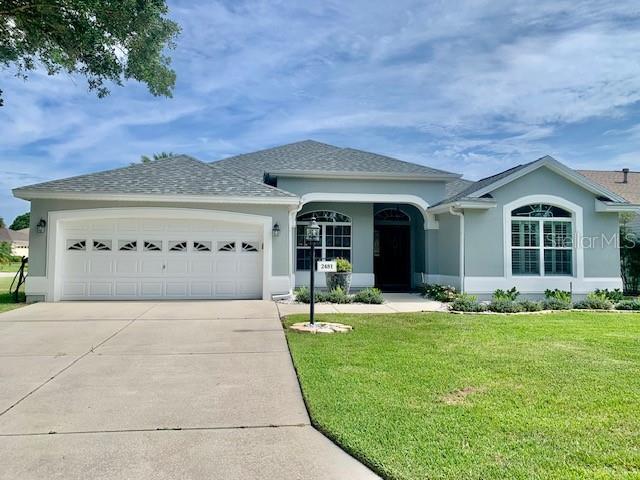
[(165, 390), (394, 303)]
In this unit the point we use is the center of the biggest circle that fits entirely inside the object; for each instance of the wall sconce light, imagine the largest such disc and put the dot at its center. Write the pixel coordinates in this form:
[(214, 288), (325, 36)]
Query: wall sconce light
[(41, 226), (275, 230)]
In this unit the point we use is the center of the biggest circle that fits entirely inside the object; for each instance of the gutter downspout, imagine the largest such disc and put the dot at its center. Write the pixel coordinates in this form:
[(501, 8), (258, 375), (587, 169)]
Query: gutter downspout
[(462, 272)]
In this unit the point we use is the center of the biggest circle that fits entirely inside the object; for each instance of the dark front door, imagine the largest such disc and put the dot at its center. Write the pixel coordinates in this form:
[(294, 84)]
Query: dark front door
[(392, 260)]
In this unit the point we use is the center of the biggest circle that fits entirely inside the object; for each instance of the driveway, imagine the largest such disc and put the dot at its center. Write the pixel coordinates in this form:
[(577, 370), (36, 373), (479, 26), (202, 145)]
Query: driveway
[(139, 390)]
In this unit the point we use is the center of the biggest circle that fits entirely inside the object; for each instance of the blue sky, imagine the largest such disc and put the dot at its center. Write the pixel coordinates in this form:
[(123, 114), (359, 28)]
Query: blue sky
[(471, 86)]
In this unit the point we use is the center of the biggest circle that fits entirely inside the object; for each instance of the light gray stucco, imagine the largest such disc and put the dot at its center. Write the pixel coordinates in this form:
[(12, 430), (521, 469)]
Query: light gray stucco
[(484, 238), (41, 208), (429, 191), (445, 259)]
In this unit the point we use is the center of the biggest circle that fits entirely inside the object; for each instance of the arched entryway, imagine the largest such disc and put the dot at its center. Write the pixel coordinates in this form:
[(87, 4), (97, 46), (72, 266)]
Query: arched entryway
[(392, 249)]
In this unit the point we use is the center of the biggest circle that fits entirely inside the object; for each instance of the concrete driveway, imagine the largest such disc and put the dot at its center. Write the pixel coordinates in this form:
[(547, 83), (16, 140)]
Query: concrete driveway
[(139, 390)]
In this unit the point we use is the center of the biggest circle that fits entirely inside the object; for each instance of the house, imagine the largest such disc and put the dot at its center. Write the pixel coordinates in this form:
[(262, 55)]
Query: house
[(625, 183), (19, 240), (180, 228)]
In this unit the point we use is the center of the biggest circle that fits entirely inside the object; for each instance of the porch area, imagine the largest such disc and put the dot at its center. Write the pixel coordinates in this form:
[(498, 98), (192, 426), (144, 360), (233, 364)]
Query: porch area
[(385, 243)]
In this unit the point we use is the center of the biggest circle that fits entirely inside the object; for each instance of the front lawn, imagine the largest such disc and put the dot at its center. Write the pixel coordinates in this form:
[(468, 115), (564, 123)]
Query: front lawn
[(419, 396), (10, 267), (7, 301)]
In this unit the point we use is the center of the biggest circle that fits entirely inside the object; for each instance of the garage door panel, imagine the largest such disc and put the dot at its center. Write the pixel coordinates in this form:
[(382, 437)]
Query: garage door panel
[(177, 289), (201, 289), (124, 266), (176, 266), (101, 289), (155, 259), (74, 289), (101, 265), (150, 266), (126, 289), (151, 289)]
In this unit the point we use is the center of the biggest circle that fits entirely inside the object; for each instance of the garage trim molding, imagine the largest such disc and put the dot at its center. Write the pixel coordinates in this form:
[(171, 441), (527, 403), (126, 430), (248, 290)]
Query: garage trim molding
[(57, 218)]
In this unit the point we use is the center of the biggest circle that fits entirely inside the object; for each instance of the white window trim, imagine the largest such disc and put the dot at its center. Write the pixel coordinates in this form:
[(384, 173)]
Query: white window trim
[(323, 236), (577, 226)]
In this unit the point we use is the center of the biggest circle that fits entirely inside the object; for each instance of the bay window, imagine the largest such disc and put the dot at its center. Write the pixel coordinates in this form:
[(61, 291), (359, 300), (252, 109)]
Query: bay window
[(541, 240), (335, 238)]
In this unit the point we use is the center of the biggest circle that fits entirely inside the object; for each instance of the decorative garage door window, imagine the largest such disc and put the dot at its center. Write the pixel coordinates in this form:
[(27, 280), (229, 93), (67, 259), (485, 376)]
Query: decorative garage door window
[(226, 246), (76, 244), (127, 245), (202, 246), (249, 247), (102, 245), (541, 240), (152, 245), (335, 238), (178, 246)]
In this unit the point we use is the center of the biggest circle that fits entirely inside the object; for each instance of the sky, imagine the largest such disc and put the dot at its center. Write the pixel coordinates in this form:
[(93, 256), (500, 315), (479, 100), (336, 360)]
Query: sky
[(472, 87)]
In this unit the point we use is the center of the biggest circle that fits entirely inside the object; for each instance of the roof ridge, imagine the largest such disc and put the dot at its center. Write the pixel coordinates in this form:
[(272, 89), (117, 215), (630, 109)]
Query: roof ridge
[(398, 160), (262, 150)]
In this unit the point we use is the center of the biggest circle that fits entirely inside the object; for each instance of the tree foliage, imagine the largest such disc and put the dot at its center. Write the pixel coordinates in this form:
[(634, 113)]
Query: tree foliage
[(156, 156), (2, 224), (20, 222), (103, 40), (5, 252)]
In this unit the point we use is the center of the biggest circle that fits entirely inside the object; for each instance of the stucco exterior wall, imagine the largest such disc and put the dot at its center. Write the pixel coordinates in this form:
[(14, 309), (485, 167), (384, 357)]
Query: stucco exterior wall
[(41, 208), (446, 258), (431, 192), (484, 237)]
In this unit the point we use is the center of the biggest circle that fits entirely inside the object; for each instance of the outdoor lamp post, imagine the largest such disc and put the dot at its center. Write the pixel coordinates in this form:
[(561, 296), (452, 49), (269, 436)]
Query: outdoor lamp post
[(312, 237)]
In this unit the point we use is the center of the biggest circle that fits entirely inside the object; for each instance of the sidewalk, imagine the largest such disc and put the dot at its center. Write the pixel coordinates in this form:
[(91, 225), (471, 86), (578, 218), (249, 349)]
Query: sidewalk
[(394, 303)]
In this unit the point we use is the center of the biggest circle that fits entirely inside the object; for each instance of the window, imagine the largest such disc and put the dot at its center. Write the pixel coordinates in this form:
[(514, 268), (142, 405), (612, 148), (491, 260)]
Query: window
[(102, 245), (76, 245), (127, 245), (335, 236), (392, 215), (178, 246), (152, 246), (248, 247), (202, 246), (541, 240), (226, 246)]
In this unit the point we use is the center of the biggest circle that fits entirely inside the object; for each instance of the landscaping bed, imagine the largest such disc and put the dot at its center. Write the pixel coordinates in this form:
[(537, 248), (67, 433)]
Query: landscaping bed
[(478, 396)]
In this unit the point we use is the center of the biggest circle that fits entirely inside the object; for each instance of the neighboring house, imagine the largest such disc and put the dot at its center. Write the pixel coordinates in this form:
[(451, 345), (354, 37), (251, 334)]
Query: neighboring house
[(623, 182), (19, 240), (183, 229)]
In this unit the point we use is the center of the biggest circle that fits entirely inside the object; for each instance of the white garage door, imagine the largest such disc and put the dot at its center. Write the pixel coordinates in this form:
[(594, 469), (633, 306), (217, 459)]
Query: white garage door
[(156, 258)]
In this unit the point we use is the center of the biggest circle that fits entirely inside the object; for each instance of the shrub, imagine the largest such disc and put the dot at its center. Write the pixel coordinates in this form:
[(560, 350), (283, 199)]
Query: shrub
[(343, 265), (467, 303), (556, 294), (369, 295), (338, 295), (5, 252), (303, 295), (440, 293), (629, 304), (595, 301), (614, 296), (530, 306), (505, 306), (553, 303), (510, 295)]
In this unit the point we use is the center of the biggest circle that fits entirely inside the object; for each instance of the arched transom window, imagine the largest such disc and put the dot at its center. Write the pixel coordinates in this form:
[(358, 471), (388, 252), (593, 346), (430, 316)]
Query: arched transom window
[(541, 240), (335, 238)]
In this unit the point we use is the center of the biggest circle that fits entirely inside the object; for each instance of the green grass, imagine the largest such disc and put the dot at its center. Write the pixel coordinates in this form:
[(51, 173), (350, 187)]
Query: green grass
[(435, 396), (10, 267), (7, 301)]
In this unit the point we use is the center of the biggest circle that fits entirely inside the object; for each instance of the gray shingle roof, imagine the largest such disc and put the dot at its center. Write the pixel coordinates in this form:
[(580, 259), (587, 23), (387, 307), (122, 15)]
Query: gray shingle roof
[(312, 156), (179, 175)]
